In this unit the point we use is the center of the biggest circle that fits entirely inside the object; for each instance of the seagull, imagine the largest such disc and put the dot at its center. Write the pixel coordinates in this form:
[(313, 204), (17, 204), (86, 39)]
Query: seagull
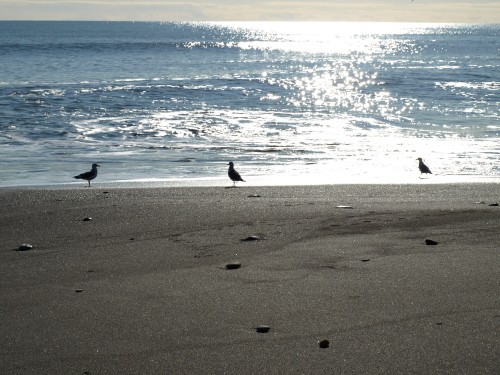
[(233, 175), (423, 168), (89, 175)]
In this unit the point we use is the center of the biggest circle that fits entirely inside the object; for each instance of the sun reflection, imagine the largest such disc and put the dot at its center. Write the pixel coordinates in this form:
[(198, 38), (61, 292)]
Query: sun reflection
[(340, 86)]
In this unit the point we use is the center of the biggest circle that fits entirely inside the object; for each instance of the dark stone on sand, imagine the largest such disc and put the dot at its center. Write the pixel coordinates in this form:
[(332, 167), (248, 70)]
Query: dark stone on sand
[(254, 196), (78, 290), (430, 242), (25, 247), (251, 238), (233, 265), (324, 344), (365, 260), (87, 219), (493, 205), (262, 329)]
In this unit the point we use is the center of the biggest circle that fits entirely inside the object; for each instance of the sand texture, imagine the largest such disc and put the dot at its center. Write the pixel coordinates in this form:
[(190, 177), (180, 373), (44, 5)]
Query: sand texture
[(142, 287)]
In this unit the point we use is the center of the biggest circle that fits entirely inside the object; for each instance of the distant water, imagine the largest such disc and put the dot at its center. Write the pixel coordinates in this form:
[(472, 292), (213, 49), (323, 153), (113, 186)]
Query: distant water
[(287, 102)]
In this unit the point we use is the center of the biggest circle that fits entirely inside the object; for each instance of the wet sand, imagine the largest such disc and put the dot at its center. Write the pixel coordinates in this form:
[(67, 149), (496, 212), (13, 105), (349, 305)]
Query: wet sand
[(142, 288)]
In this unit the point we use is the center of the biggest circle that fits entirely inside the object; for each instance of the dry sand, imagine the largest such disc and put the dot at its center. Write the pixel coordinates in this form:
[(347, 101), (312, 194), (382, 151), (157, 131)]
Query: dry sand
[(142, 287)]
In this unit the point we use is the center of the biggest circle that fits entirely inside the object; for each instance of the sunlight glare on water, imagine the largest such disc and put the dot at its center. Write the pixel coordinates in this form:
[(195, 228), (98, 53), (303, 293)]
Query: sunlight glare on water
[(286, 101)]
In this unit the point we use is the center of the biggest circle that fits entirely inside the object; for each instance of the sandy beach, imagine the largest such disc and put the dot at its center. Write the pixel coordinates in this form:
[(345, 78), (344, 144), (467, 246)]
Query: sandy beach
[(143, 288)]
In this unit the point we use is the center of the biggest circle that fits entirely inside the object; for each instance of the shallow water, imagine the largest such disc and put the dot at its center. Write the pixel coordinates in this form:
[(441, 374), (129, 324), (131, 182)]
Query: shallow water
[(288, 103)]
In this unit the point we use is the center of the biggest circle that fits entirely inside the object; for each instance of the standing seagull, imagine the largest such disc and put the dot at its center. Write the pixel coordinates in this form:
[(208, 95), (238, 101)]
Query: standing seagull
[(423, 168), (233, 175), (89, 175)]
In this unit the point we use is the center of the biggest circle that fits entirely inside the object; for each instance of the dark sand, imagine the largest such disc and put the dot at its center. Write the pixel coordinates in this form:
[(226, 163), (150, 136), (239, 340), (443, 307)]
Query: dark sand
[(142, 288)]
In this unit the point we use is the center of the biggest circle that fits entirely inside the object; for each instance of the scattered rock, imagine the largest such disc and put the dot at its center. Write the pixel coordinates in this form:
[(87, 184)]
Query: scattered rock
[(233, 265), (87, 219), (324, 344), (365, 260), (493, 205), (430, 242), (254, 196), (262, 329), (481, 202), (25, 247), (439, 323), (78, 290), (251, 238), (342, 206)]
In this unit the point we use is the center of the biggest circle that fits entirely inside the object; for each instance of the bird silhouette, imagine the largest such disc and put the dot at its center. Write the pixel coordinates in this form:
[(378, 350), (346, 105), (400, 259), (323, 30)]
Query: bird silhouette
[(90, 175), (423, 168), (233, 175)]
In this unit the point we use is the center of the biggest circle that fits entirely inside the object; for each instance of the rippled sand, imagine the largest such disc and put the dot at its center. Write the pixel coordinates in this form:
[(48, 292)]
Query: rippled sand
[(143, 286)]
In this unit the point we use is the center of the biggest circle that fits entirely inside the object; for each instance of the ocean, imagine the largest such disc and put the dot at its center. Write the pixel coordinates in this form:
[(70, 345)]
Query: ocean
[(287, 102)]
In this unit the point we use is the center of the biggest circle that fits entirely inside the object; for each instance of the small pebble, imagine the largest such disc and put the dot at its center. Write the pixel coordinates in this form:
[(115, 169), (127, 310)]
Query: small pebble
[(365, 260), (430, 242), (493, 205), (251, 238), (324, 344), (87, 218), (262, 329), (254, 196), (78, 290), (24, 247), (233, 265)]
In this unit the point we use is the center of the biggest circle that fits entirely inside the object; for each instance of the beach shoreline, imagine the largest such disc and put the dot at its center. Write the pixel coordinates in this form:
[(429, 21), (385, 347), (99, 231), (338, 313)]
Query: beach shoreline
[(263, 181), (134, 280)]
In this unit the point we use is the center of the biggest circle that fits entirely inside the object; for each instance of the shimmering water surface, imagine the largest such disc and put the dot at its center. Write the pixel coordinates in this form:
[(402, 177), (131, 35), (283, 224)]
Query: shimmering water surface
[(287, 102)]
